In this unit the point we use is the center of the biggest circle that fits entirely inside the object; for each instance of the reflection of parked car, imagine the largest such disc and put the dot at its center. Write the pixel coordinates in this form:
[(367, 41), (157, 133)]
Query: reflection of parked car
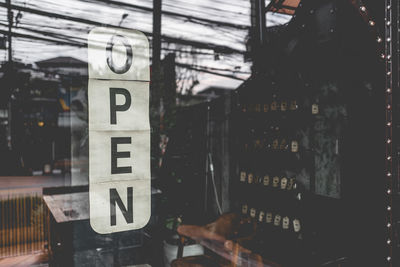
[(65, 165)]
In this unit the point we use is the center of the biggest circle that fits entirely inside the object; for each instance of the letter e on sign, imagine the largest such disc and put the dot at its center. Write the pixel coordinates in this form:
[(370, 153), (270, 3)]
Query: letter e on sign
[(119, 130)]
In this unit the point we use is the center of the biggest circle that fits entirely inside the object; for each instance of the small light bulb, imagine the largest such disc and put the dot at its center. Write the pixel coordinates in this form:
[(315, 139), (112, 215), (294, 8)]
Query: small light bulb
[(389, 208), (389, 158), (389, 174), (383, 56), (389, 90), (388, 73), (379, 39), (388, 23), (388, 241), (389, 57), (371, 23), (389, 141), (389, 107), (389, 191), (388, 7), (389, 124), (388, 40), (388, 258), (388, 225), (363, 8)]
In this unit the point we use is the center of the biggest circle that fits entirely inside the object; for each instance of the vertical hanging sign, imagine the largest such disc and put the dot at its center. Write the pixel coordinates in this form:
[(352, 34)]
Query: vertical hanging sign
[(119, 130)]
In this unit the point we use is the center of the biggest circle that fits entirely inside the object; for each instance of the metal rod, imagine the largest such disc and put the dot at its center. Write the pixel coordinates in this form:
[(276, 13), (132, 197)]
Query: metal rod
[(10, 23)]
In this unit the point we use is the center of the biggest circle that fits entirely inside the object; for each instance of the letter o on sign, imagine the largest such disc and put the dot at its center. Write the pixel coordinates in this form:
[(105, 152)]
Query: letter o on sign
[(128, 61)]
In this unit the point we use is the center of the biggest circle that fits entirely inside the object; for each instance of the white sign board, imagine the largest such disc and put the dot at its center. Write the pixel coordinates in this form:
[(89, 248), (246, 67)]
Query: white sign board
[(119, 130)]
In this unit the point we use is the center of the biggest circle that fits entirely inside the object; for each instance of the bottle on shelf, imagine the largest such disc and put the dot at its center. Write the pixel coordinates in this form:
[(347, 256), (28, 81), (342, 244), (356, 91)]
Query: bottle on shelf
[(251, 197), (242, 187), (243, 107), (291, 183), (243, 176), (315, 106), (284, 183), (293, 106), (294, 146), (284, 106), (266, 189), (275, 182), (266, 107), (257, 108), (244, 209), (274, 103)]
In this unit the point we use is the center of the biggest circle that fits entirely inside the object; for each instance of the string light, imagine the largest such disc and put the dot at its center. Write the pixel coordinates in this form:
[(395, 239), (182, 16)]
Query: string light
[(389, 82)]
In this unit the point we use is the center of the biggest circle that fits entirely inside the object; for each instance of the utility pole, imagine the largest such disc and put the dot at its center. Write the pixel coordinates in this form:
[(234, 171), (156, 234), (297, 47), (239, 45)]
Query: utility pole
[(156, 100), (9, 70), (156, 57), (260, 21), (258, 24), (156, 78), (10, 23), (157, 32)]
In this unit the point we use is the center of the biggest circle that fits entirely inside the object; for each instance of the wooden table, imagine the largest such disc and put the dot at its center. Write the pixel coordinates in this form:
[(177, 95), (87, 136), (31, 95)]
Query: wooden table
[(236, 256), (68, 207)]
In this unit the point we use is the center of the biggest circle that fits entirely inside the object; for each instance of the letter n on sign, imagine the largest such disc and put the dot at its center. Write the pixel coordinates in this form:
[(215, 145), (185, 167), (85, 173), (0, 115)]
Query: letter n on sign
[(119, 130)]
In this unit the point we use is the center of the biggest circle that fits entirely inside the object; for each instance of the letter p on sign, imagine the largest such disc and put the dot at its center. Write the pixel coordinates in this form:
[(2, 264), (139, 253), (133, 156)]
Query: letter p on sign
[(119, 130)]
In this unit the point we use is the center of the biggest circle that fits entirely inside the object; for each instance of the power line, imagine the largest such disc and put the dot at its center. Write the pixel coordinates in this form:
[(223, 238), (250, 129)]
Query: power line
[(217, 48), (59, 42), (170, 13), (83, 40), (192, 67), (187, 66), (51, 34)]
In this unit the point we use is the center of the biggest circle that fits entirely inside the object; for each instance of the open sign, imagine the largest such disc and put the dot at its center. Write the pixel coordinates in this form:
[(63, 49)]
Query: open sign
[(119, 130)]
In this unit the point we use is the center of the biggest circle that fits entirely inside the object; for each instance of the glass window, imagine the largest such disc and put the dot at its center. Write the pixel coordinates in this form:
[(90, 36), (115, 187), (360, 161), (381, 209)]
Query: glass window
[(199, 133)]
